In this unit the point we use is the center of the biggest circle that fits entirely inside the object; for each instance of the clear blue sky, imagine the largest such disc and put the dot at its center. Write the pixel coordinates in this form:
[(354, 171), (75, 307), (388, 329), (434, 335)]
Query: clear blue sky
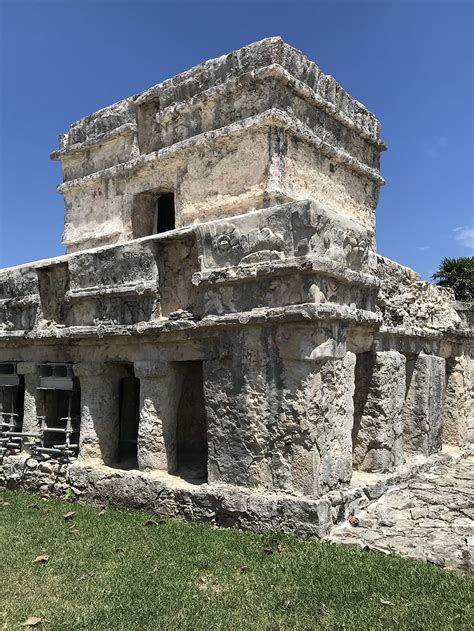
[(408, 61)]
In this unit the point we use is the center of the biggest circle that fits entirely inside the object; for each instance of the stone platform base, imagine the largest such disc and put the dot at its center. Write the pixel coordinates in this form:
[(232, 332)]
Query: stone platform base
[(223, 505), (429, 517)]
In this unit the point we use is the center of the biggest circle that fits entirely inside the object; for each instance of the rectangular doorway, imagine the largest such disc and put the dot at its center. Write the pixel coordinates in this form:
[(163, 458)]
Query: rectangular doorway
[(128, 422), (191, 424)]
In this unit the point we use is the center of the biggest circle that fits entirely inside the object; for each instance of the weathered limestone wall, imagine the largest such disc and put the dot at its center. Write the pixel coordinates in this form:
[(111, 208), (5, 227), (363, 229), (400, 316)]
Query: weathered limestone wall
[(309, 174), (295, 253), (19, 299), (411, 305)]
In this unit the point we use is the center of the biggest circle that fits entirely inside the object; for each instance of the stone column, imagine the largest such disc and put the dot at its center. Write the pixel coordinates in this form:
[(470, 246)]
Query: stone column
[(160, 389), (31, 407), (280, 409), (318, 411), (100, 410), (318, 407), (240, 406), (457, 404), (379, 396), (424, 404)]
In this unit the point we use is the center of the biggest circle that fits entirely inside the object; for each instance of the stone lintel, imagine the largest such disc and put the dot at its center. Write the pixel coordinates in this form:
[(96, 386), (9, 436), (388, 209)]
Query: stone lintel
[(100, 369), (306, 312)]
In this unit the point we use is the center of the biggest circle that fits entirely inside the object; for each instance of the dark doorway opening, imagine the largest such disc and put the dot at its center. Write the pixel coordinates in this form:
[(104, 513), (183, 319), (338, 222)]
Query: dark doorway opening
[(153, 212), (128, 422), (363, 375), (165, 213), (191, 428), (11, 402)]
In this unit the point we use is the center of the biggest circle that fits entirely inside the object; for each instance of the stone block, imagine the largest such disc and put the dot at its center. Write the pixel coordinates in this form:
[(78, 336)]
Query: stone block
[(378, 405), (457, 407), (424, 404)]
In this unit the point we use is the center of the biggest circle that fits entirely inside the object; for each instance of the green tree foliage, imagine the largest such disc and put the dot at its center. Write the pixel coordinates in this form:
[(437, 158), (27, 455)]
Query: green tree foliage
[(459, 275)]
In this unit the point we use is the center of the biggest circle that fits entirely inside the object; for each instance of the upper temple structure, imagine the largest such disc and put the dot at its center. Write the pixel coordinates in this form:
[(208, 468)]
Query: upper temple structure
[(222, 340)]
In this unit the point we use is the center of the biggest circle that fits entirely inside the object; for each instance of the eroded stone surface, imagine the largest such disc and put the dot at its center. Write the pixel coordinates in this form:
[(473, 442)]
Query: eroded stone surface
[(429, 518), (377, 431)]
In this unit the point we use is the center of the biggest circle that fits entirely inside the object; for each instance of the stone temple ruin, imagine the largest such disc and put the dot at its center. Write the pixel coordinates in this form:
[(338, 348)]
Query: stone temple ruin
[(222, 340)]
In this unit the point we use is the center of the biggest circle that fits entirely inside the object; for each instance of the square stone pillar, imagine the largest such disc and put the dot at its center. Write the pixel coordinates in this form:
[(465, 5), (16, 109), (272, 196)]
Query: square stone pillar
[(318, 412), (31, 405), (424, 404), (379, 396), (280, 409), (160, 389), (100, 410), (240, 407), (317, 405), (457, 405)]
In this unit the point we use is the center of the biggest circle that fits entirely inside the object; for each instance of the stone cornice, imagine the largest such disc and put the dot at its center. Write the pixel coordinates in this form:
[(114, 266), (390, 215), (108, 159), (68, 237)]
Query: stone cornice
[(273, 71), (271, 118), (126, 289), (124, 130), (261, 316), (297, 265), (269, 52)]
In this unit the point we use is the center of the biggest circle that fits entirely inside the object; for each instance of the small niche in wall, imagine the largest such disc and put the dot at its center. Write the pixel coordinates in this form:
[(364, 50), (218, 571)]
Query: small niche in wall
[(153, 212)]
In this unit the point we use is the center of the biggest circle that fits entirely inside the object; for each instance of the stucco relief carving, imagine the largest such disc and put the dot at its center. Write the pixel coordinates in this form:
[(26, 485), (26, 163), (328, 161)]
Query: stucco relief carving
[(319, 234), (345, 246), (289, 291), (230, 245)]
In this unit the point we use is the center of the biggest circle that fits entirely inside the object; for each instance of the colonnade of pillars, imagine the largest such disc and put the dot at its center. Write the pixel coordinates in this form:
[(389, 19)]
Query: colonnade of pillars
[(406, 405), (159, 397), (104, 414), (403, 405), (100, 410)]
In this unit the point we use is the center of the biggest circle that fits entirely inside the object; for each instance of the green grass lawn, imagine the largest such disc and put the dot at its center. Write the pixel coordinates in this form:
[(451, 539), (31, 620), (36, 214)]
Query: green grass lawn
[(113, 570)]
